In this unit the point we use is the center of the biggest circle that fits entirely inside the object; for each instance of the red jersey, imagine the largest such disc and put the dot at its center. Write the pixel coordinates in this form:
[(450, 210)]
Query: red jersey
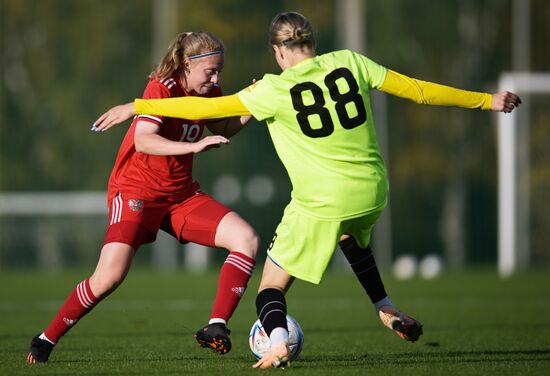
[(154, 176)]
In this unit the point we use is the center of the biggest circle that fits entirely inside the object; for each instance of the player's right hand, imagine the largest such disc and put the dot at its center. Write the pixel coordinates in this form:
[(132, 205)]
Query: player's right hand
[(209, 142), (113, 116), (505, 101)]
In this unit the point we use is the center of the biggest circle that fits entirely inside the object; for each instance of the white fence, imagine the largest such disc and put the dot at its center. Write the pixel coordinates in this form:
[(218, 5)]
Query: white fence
[(55, 229)]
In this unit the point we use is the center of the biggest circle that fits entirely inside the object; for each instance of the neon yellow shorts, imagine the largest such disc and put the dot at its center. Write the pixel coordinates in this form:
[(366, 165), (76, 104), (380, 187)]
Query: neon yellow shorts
[(303, 245)]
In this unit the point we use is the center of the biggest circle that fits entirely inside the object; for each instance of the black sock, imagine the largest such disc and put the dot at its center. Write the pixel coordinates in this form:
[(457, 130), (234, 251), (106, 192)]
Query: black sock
[(271, 309), (364, 266)]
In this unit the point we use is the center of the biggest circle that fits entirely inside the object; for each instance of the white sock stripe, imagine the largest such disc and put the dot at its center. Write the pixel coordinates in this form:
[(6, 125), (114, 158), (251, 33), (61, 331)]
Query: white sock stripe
[(238, 261), (79, 294), (242, 260), (366, 270), (261, 310), (363, 259), (272, 311), (246, 270), (86, 295), (82, 296)]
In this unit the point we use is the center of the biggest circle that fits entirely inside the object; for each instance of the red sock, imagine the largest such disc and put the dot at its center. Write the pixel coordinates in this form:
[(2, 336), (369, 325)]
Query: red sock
[(80, 302), (234, 275)]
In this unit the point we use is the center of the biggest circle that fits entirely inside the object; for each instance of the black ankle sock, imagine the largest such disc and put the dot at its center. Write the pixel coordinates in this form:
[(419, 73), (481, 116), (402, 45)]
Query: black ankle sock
[(271, 309), (364, 266)]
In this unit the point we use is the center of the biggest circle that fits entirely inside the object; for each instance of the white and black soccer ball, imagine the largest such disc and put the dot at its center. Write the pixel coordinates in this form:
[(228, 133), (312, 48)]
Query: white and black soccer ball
[(260, 342)]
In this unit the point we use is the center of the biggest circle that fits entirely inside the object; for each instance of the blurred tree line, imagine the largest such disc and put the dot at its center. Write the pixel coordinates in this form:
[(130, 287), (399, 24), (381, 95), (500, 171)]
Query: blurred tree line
[(64, 62)]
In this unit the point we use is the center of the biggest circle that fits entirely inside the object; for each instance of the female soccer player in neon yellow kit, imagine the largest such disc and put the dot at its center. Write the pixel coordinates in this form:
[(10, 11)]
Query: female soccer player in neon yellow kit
[(319, 116)]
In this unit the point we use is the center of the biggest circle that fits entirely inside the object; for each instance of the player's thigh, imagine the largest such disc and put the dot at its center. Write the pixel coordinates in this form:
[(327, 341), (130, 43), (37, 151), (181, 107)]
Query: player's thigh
[(195, 220), (235, 234), (361, 228), (303, 245)]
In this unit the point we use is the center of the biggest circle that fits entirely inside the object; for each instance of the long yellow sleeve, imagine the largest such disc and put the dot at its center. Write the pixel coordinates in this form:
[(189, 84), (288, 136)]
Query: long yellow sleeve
[(192, 108), (433, 94)]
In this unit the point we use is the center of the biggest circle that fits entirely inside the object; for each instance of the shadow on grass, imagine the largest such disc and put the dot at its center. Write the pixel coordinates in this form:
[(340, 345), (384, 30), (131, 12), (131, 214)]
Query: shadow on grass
[(431, 357), (375, 326)]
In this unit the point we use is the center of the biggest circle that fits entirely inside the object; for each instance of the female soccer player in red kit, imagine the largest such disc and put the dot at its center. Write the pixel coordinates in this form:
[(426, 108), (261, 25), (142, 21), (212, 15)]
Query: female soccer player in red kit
[(151, 187)]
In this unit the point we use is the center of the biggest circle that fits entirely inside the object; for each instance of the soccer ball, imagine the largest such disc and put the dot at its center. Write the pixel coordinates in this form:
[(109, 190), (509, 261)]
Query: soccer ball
[(260, 342)]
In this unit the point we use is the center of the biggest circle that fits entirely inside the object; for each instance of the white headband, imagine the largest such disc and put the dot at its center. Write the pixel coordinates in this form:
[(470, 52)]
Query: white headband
[(205, 55)]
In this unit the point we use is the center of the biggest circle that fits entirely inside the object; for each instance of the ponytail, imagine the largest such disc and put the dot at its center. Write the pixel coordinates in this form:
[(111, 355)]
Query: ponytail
[(185, 45)]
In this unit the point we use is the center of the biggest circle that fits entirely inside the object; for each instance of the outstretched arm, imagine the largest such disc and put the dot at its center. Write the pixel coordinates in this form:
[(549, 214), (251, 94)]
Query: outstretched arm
[(434, 94), (192, 108)]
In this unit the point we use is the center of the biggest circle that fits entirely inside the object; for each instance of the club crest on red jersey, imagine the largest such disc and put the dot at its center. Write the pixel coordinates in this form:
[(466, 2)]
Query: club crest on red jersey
[(135, 204)]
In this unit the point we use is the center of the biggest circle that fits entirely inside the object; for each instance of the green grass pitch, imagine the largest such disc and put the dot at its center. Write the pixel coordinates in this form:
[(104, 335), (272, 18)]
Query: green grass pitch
[(474, 324)]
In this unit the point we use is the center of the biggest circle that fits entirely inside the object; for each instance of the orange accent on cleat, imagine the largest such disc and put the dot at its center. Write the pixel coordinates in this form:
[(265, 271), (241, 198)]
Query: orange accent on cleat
[(214, 337), (30, 359), (278, 357), (404, 326), (39, 351)]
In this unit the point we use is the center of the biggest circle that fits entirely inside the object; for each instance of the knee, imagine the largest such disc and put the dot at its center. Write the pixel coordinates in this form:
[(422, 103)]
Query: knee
[(251, 242), (104, 284), (247, 242)]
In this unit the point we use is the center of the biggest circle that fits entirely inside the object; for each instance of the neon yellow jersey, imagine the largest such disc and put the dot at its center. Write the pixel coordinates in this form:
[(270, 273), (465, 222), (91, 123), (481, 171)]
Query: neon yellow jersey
[(319, 117)]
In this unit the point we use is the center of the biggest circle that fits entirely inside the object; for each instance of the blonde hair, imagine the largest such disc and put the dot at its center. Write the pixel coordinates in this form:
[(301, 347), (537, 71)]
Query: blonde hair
[(292, 29), (184, 45)]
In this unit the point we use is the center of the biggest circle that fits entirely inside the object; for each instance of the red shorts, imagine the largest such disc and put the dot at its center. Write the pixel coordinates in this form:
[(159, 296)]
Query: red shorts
[(135, 221)]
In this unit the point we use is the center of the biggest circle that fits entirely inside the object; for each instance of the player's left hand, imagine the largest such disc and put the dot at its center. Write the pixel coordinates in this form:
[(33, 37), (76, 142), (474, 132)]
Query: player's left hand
[(505, 102), (114, 116)]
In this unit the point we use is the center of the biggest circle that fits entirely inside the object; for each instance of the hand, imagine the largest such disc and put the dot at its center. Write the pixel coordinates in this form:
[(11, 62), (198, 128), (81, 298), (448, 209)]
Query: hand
[(209, 143), (505, 102), (114, 116)]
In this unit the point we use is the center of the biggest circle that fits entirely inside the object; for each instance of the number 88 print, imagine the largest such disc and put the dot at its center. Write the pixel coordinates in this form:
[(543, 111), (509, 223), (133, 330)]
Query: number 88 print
[(318, 106)]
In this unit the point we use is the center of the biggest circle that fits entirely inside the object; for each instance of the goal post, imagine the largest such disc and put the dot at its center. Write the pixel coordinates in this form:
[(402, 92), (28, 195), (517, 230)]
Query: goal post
[(513, 174)]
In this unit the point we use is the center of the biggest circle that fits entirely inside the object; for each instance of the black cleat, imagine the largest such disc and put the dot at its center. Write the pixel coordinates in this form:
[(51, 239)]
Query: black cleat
[(39, 351), (216, 337)]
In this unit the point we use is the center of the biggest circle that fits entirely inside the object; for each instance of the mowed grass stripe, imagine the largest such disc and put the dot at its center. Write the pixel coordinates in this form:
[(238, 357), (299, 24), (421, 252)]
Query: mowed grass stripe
[(474, 324)]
